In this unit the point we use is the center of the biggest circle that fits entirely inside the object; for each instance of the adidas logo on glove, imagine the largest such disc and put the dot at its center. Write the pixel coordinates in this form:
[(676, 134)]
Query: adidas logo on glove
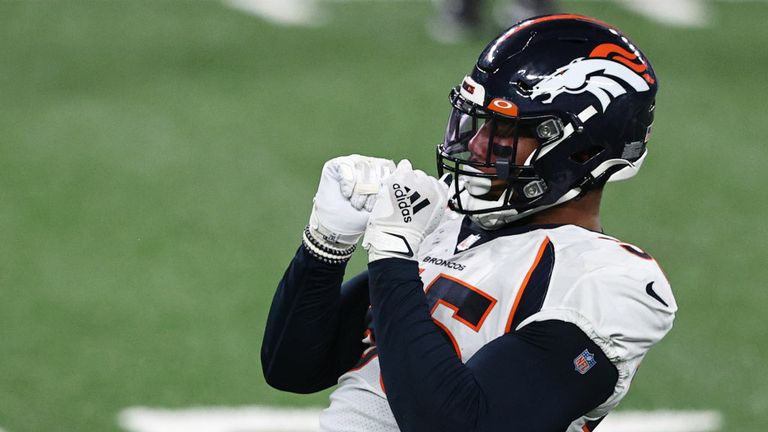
[(406, 201), (409, 206)]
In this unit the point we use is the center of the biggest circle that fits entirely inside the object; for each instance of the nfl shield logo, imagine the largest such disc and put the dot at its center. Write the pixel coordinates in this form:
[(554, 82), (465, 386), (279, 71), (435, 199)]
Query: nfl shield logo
[(584, 362)]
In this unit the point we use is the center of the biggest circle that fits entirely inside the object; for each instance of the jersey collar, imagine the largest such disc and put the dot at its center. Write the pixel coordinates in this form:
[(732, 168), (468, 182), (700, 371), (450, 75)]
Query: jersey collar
[(471, 235)]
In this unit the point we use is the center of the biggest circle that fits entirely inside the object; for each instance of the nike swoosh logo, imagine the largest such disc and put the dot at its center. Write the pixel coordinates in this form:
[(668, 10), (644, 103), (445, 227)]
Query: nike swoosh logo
[(652, 293), (408, 254)]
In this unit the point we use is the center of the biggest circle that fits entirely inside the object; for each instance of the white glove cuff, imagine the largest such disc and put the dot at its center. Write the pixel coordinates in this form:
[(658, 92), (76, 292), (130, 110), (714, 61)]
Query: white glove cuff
[(324, 251), (383, 244), (330, 238)]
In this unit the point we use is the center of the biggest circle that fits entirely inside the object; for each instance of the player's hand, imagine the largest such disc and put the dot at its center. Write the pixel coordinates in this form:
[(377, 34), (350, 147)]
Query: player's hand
[(345, 197), (410, 205)]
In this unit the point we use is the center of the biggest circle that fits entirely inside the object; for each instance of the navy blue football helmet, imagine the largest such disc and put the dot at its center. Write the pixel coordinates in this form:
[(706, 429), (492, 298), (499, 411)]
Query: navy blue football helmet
[(577, 86)]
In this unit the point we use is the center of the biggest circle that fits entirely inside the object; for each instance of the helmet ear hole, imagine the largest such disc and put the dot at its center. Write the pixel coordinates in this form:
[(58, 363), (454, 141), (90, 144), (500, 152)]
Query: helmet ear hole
[(584, 156)]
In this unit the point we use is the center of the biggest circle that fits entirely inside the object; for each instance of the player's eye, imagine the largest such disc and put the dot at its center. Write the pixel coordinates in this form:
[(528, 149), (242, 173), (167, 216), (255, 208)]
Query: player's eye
[(505, 129)]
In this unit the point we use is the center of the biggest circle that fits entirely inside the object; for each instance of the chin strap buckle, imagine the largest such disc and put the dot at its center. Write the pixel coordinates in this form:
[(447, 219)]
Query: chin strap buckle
[(534, 189)]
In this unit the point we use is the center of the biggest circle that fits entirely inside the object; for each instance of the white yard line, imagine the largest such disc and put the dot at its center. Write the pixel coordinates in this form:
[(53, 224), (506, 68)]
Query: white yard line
[(220, 419), (678, 13), (304, 13), (273, 419), (666, 421)]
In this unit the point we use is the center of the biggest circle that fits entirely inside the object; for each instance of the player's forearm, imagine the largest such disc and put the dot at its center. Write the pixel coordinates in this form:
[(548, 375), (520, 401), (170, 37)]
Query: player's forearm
[(315, 326), (427, 385), (298, 351)]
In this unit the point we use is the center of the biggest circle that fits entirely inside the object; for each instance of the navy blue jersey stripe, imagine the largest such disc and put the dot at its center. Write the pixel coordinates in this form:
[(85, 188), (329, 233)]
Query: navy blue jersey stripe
[(536, 289)]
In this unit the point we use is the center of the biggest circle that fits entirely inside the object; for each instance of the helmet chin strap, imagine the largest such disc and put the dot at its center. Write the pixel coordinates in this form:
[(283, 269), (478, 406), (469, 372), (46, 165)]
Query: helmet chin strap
[(498, 219), (470, 188)]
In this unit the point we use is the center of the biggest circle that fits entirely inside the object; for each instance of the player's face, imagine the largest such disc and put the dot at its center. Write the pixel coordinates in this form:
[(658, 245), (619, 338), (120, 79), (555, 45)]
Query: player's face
[(485, 148), (502, 143)]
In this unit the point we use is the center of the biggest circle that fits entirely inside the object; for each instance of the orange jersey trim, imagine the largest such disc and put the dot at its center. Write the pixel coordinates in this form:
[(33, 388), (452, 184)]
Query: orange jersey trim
[(381, 383), (365, 361)]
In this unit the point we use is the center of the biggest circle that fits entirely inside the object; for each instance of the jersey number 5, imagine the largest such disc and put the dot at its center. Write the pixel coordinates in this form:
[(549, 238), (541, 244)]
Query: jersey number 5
[(470, 305)]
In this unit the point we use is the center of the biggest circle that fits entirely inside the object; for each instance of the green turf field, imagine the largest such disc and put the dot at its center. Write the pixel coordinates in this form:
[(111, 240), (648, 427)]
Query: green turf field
[(158, 160)]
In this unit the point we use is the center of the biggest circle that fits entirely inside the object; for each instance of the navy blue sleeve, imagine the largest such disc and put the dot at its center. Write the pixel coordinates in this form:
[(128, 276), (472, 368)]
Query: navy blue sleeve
[(525, 380), (315, 325)]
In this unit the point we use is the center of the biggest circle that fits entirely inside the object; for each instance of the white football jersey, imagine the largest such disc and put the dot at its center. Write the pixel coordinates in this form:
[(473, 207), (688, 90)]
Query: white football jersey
[(485, 285)]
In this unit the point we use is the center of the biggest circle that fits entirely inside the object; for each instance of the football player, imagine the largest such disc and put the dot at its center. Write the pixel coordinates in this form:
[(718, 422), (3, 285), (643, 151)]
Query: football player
[(496, 302)]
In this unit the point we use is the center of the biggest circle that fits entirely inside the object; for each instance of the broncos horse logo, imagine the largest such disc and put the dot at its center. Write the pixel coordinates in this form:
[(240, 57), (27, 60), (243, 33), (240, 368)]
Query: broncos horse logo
[(600, 74)]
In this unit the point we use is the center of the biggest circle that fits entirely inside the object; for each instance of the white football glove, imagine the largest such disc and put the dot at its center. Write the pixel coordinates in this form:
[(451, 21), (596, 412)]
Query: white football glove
[(345, 197), (409, 206)]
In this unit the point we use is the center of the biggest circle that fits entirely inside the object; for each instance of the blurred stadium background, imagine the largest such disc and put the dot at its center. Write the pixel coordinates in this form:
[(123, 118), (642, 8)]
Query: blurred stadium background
[(158, 160)]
